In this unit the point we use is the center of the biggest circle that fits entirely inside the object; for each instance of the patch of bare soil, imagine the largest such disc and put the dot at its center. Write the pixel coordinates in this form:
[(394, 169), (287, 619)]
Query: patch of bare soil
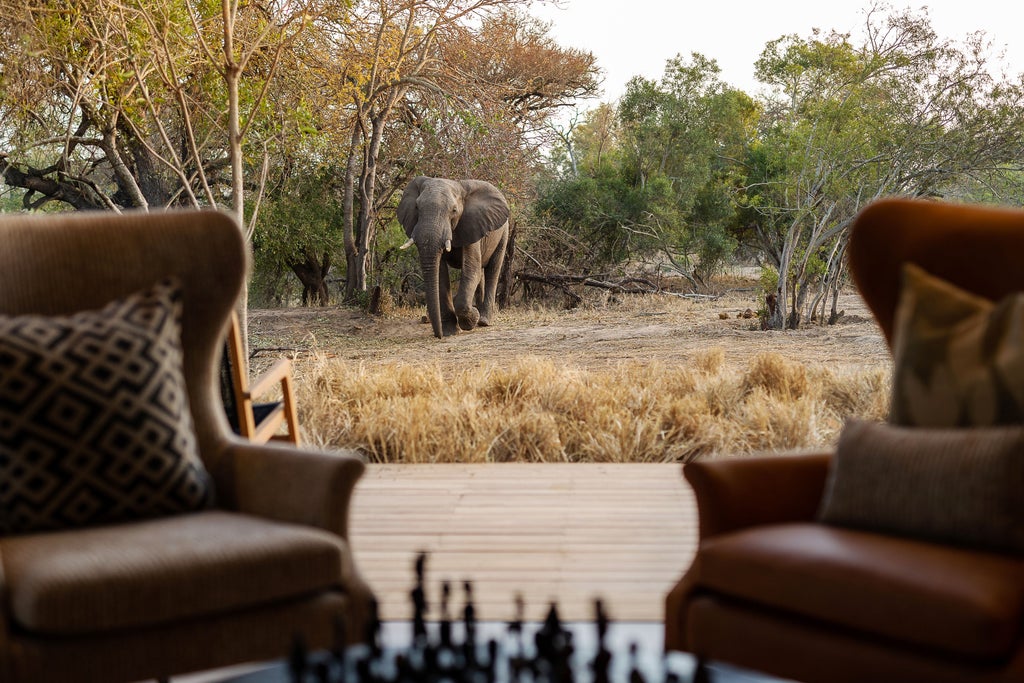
[(649, 328)]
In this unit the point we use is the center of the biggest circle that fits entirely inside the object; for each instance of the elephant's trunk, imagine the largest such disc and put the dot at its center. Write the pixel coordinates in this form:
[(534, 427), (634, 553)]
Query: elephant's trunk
[(430, 263)]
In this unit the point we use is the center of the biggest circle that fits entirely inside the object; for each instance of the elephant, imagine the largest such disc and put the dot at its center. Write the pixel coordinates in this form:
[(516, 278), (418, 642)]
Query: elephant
[(460, 224)]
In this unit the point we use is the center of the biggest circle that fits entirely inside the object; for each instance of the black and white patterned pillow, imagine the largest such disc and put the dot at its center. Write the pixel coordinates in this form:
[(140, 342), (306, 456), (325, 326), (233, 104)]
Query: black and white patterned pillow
[(95, 424)]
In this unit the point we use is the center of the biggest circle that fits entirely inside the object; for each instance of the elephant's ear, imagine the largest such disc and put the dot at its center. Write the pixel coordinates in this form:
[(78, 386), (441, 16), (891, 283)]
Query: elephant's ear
[(483, 210), (407, 213)]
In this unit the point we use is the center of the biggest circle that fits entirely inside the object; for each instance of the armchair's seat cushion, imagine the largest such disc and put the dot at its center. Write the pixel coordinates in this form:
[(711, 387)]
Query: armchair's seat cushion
[(956, 600), (155, 571)]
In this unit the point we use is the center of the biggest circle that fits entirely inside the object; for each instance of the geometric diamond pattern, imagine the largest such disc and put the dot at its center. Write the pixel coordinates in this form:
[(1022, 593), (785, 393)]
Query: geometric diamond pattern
[(95, 424)]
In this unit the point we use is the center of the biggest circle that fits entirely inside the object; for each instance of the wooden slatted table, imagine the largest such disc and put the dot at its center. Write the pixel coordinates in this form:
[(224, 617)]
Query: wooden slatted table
[(571, 532)]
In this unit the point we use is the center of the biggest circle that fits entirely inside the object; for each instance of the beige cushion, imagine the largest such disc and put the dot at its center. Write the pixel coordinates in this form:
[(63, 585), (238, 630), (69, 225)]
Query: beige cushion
[(94, 417), (958, 358), (960, 486), (155, 571)]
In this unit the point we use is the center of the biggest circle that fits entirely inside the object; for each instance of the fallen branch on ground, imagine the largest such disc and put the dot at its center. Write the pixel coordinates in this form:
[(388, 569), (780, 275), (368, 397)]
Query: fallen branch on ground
[(629, 285)]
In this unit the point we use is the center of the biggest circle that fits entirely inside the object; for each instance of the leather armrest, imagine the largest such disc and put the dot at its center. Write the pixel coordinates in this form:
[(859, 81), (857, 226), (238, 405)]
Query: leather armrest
[(749, 491), (289, 484)]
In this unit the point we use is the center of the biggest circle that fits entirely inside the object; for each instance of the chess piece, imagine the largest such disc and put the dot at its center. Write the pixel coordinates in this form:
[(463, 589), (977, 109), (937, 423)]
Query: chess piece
[(373, 627), (298, 659), (469, 621), (446, 619), (601, 664), (491, 670), (419, 601), (339, 648), (635, 676)]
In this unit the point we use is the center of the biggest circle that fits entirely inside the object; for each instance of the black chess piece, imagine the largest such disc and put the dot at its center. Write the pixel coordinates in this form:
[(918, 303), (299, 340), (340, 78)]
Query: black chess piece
[(298, 659), (339, 648), (517, 658), (549, 639), (701, 672), (491, 670), (469, 622), (554, 649), (601, 664), (635, 675), (419, 601), (446, 619), (373, 627)]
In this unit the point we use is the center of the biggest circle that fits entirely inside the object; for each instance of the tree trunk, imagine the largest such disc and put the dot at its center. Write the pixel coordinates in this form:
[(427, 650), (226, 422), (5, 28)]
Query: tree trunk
[(795, 315), (365, 228), (834, 315), (350, 216)]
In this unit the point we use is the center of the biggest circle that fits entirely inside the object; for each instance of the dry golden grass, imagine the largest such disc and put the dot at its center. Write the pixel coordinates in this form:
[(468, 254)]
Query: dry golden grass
[(539, 410)]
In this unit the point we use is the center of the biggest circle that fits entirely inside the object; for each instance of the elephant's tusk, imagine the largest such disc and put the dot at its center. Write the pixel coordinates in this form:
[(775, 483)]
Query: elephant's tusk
[(447, 245), (407, 244)]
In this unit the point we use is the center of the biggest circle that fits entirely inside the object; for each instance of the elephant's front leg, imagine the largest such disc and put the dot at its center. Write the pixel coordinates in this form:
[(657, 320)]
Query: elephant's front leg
[(449, 320), (465, 296)]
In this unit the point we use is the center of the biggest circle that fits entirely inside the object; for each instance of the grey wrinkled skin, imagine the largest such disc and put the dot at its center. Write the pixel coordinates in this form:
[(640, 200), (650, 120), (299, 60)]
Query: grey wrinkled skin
[(460, 224)]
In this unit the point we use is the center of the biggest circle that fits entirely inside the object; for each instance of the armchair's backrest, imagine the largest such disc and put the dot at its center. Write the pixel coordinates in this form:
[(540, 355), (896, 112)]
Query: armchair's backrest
[(977, 248), (62, 263)]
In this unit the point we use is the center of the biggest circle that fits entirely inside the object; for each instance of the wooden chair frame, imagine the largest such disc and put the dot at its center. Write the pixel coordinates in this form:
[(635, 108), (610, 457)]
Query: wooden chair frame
[(247, 394)]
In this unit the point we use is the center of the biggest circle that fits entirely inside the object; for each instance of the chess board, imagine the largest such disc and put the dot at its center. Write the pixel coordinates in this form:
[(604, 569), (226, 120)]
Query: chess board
[(455, 647)]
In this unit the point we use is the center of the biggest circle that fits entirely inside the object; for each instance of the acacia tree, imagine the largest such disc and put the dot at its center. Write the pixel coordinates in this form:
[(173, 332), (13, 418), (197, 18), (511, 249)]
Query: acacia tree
[(119, 104), (473, 79), (903, 113), (138, 104)]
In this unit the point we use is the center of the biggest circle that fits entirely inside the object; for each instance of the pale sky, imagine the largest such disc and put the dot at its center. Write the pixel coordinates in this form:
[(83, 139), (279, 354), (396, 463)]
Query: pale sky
[(636, 37)]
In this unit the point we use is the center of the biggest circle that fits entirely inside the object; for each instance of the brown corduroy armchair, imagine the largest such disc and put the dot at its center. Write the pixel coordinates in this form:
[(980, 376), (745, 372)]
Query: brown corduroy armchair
[(775, 589), (228, 567)]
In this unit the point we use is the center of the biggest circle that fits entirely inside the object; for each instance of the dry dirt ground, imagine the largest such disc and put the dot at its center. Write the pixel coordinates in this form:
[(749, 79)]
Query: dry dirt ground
[(646, 328)]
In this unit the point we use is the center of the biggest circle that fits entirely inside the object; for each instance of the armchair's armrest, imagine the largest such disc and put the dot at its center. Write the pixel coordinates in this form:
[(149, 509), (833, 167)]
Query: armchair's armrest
[(749, 491), (289, 484)]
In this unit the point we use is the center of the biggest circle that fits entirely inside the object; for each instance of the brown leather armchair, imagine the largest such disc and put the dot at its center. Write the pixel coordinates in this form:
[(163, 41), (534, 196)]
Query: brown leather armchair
[(163, 595), (774, 590)]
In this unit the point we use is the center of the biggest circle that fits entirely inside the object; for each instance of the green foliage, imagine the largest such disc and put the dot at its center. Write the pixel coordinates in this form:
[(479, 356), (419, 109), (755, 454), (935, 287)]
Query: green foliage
[(301, 217), (902, 113), (608, 215), (656, 175), (397, 270)]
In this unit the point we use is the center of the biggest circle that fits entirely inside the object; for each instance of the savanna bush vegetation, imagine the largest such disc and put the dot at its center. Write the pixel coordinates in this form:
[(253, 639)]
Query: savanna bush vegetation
[(537, 410)]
